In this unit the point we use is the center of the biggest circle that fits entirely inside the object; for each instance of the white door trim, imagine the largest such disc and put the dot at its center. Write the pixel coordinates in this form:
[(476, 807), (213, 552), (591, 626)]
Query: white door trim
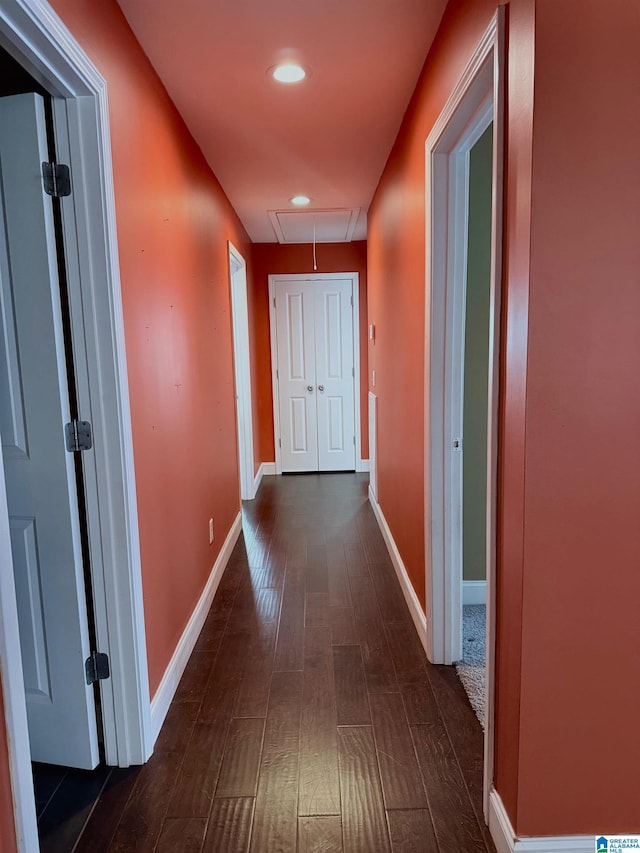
[(242, 366), (32, 32), (355, 290), (476, 100)]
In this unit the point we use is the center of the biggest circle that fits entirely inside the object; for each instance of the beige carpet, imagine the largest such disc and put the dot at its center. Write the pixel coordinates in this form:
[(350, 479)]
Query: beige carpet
[(471, 669)]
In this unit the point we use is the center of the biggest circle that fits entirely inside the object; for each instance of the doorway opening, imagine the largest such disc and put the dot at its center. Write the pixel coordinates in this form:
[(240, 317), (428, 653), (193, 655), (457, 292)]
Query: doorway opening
[(44, 483), (451, 491), (472, 663), (36, 39), (242, 368)]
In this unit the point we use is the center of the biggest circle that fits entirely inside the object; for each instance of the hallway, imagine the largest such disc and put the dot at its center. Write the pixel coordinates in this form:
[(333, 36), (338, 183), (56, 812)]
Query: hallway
[(308, 718)]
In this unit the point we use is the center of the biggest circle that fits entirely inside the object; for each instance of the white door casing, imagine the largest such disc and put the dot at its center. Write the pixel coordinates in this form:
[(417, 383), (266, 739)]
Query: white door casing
[(242, 369), (476, 101), (314, 372), (33, 33), (40, 476)]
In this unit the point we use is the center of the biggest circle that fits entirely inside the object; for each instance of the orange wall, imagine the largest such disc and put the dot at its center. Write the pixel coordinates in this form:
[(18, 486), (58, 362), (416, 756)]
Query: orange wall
[(513, 387), (7, 832), (579, 740), (272, 258), (173, 225)]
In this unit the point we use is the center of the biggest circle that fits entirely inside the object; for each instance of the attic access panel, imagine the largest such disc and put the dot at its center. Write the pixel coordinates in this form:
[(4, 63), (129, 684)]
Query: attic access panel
[(331, 226)]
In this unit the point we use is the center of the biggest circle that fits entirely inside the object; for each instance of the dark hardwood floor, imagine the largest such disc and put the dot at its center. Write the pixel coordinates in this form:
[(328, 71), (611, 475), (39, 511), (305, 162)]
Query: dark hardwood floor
[(308, 718)]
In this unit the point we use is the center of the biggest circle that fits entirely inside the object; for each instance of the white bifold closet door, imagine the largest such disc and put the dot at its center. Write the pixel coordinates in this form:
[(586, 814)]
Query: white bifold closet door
[(315, 374)]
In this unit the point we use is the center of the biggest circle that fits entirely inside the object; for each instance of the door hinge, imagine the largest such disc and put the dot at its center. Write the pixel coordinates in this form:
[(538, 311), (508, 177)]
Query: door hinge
[(57, 179), (274, 302), (279, 442), (277, 374), (77, 436), (354, 441), (353, 372), (96, 667)]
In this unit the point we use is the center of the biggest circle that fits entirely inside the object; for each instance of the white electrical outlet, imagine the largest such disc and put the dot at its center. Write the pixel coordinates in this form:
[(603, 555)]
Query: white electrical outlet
[(210, 531)]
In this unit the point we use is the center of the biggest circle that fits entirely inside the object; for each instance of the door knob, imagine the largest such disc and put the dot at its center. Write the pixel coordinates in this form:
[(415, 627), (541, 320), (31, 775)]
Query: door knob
[(320, 387), (309, 387)]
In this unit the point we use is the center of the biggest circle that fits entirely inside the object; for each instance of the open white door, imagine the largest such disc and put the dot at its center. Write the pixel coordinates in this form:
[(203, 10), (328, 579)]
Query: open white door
[(40, 477)]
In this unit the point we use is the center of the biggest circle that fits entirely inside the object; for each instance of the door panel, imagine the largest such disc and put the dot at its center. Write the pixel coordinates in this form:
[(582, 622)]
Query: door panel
[(336, 437), (12, 424), (40, 476), (334, 369), (299, 424), (297, 356), (314, 332), (29, 595), (296, 373)]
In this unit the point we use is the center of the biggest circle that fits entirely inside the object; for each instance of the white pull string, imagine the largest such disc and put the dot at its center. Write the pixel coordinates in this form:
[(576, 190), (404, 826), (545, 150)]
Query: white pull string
[(315, 265)]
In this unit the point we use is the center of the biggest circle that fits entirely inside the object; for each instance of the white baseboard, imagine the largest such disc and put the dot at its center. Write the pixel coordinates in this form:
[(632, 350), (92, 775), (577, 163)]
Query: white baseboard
[(257, 480), (173, 673), (266, 469), (474, 592), (506, 840), (413, 602), (363, 466)]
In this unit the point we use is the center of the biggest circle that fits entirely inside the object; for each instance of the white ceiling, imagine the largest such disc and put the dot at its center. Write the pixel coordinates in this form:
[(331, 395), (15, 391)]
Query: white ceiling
[(327, 137)]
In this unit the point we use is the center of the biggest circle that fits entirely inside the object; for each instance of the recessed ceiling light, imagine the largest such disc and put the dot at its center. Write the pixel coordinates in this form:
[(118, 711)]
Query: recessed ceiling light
[(300, 200), (289, 72)]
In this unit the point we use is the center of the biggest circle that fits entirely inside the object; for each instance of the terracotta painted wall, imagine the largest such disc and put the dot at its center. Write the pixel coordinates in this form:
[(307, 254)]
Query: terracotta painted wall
[(513, 386), (270, 259), (173, 225), (7, 831), (579, 740)]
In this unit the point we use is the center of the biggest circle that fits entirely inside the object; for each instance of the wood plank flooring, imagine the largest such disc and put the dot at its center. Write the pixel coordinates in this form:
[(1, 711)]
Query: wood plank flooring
[(308, 718)]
